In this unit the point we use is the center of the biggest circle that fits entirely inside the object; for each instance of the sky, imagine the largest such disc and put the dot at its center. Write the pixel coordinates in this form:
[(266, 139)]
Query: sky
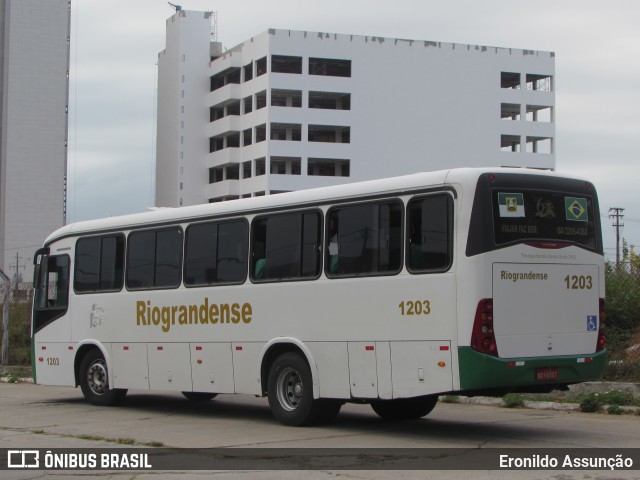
[(115, 46)]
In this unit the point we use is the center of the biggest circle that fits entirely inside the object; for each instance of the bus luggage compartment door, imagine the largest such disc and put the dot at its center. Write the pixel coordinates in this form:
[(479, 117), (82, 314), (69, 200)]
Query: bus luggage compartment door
[(543, 310), (421, 368)]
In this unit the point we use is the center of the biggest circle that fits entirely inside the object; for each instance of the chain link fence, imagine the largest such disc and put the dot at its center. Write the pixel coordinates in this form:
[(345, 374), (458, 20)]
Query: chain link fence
[(622, 324), (15, 300)]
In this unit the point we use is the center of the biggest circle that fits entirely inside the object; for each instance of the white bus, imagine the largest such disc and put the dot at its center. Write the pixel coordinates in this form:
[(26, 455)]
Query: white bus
[(389, 292)]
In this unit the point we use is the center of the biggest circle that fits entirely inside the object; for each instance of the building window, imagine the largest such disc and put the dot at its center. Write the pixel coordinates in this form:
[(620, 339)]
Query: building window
[(216, 174), (331, 67), (215, 113), (286, 64), (364, 239), (330, 100), (261, 66), (286, 246), (261, 99), (246, 137), (286, 98), (233, 108), (216, 253), (248, 104), (539, 113), (329, 133), (154, 259), (510, 143), (232, 172), (219, 80), (260, 167), (539, 145), (220, 142), (510, 111), (328, 167), (285, 165), (539, 83), (246, 169), (286, 131), (248, 71), (261, 133), (510, 80)]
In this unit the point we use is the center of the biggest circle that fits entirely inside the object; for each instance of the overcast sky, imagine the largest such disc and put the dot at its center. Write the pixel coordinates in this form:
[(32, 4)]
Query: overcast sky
[(115, 45)]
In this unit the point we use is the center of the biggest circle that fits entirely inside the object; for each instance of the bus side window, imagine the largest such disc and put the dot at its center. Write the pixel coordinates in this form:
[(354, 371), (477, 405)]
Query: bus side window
[(364, 239), (429, 233), (286, 246)]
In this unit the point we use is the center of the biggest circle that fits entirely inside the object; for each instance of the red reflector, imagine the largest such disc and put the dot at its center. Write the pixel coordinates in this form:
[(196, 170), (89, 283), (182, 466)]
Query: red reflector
[(125, 348), (238, 348), (444, 348), (511, 364), (43, 347), (70, 347), (588, 360), (198, 348), (160, 347), (369, 348)]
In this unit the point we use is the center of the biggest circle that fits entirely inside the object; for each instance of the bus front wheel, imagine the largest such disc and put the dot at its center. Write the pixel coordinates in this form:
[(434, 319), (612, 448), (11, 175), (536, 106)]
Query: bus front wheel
[(405, 408), (94, 381), (290, 393)]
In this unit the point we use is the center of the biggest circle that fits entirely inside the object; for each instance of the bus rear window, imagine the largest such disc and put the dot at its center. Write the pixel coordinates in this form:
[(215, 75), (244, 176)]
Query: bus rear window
[(521, 215)]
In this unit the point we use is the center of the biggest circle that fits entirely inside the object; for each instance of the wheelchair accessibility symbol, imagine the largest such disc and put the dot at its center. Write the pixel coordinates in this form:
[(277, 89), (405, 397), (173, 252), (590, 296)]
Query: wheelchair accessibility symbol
[(592, 323)]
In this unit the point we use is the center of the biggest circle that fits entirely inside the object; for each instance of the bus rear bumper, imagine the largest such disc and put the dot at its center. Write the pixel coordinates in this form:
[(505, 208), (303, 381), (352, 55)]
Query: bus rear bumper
[(479, 371)]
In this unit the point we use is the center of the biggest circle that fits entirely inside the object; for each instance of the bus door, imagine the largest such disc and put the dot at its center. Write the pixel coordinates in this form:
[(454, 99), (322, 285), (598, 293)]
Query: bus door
[(53, 354)]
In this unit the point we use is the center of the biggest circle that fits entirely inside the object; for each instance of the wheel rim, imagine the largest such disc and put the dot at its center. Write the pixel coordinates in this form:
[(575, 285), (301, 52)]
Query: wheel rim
[(289, 389), (97, 377)]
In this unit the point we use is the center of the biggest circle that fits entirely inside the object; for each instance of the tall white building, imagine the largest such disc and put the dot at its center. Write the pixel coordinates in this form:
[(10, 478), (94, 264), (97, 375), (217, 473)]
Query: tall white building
[(34, 43), (288, 110)]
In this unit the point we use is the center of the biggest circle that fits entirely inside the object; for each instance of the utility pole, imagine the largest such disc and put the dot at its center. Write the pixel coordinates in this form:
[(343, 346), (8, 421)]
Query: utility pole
[(617, 224), (17, 267)]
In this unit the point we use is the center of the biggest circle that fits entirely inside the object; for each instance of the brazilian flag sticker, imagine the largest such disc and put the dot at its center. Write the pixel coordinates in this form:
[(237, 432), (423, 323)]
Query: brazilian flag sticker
[(575, 209)]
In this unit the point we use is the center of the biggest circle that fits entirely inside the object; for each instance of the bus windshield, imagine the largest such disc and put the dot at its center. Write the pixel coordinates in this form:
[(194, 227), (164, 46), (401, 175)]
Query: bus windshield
[(538, 215), (509, 209)]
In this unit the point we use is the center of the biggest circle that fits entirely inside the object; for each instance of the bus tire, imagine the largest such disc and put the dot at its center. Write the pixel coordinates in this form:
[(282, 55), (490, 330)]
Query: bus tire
[(405, 408), (199, 396), (290, 392), (94, 380)]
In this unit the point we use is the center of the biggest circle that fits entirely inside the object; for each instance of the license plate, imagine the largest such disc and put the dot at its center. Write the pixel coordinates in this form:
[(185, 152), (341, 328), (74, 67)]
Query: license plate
[(548, 373)]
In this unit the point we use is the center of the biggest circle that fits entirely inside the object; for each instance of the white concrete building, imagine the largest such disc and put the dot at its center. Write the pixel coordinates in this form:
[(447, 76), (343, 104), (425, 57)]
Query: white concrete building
[(34, 42), (288, 110)]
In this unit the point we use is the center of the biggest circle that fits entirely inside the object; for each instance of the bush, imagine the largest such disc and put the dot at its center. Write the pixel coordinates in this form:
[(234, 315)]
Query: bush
[(616, 397), (513, 400), (591, 403), (614, 410)]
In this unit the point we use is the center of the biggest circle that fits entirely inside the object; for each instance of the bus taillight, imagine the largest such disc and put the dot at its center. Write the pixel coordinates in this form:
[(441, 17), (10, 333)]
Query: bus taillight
[(601, 338), (483, 338)]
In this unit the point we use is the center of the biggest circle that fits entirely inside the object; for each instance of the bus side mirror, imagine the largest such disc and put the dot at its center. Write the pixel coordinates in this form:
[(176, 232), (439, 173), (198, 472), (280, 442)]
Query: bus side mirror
[(37, 264)]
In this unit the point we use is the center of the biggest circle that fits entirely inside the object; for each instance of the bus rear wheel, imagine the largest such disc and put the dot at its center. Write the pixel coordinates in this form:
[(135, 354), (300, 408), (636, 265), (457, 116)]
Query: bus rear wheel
[(94, 381), (290, 393), (405, 408)]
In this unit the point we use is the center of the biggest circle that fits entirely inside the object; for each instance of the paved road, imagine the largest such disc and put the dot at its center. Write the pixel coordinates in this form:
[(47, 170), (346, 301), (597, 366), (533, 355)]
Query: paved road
[(33, 416)]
